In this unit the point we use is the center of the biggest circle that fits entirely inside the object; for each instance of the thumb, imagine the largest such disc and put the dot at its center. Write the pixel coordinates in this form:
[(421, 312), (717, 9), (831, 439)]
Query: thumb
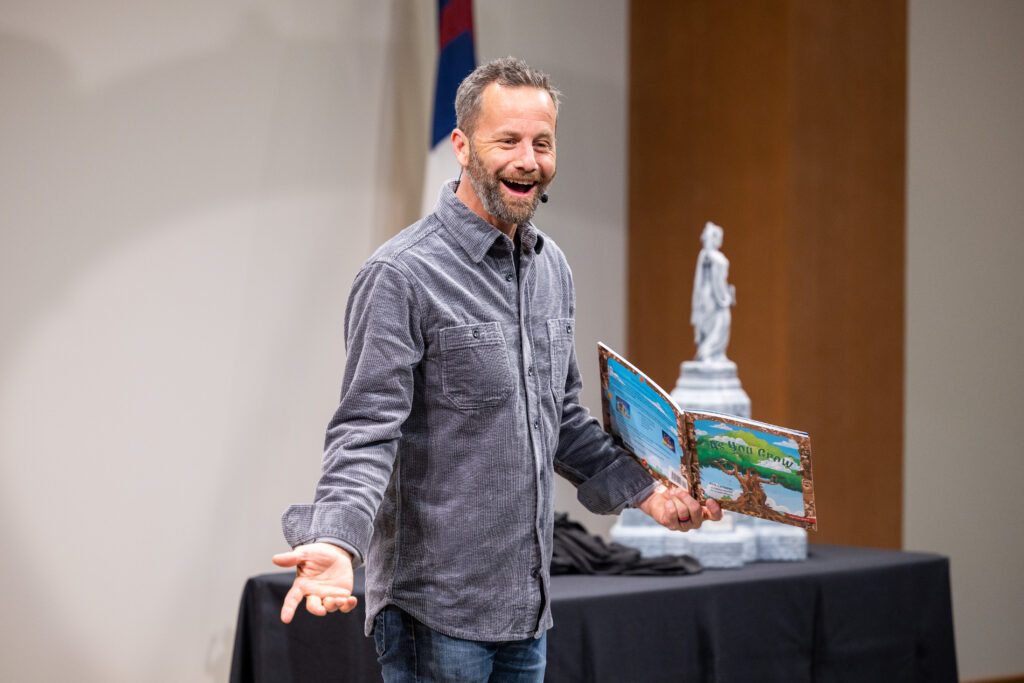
[(289, 559)]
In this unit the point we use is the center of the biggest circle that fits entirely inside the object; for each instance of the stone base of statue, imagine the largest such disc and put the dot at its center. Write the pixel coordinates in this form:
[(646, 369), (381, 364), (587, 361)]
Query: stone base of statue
[(733, 542), (635, 529), (779, 542), (727, 544), (711, 385)]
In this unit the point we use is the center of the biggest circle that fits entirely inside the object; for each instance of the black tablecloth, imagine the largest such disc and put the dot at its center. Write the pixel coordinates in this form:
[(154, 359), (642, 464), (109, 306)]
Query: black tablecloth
[(846, 614)]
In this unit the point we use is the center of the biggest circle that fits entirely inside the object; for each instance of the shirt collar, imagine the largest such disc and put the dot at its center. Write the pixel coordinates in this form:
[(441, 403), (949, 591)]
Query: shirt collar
[(473, 233)]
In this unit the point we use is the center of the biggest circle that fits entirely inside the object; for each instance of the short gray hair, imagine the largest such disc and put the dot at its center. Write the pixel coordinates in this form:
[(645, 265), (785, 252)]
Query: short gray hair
[(507, 71)]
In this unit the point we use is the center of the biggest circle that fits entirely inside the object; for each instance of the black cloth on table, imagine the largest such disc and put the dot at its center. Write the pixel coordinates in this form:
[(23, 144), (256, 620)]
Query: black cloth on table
[(575, 551), (846, 614)]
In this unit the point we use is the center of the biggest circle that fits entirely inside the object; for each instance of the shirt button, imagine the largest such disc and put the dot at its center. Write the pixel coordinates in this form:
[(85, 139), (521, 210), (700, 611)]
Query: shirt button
[(530, 371), (536, 424), (568, 329), (535, 573), (476, 334), (508, 277)]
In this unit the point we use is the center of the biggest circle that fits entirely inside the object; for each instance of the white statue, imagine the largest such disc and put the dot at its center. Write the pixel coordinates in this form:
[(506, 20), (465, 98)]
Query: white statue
[(711, 381), (713, 296)]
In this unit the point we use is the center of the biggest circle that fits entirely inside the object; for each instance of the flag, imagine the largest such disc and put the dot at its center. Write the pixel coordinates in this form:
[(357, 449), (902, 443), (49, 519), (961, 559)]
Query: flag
[(455, 60)]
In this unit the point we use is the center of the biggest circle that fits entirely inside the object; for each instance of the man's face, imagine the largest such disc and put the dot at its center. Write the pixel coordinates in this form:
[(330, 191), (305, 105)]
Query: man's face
[(511, 154)]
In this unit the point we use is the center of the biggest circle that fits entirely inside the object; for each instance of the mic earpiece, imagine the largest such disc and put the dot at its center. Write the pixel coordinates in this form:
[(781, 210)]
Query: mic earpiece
[(544, 198)]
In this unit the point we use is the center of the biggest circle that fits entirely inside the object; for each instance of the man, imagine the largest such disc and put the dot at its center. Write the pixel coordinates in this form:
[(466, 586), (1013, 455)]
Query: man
[(460, 401)]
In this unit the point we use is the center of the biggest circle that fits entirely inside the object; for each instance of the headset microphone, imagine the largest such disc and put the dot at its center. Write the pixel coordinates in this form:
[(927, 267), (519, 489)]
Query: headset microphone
[(544, 198)]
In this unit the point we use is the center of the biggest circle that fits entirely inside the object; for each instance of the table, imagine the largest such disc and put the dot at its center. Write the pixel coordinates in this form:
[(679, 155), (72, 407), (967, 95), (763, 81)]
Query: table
[(846, 614)]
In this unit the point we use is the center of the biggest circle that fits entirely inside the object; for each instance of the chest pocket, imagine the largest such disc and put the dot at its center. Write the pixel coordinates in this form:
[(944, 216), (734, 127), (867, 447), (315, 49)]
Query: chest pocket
[(475, 370), (560, 338)]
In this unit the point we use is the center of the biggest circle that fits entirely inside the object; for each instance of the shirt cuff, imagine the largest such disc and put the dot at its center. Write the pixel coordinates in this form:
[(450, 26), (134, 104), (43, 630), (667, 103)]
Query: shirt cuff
[(304, 524), (642, 496), (357, 558)]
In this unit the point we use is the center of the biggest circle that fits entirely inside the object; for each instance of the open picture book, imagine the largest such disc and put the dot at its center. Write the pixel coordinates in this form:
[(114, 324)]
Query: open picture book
[(747, 466)]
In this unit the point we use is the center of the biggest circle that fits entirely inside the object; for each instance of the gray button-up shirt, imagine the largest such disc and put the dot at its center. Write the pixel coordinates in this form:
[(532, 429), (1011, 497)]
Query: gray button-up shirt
[(459, 402)]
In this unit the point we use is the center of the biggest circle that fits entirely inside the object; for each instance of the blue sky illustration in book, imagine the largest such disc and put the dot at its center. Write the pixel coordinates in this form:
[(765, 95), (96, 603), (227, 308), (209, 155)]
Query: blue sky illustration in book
[(644, 421), (724, 451)]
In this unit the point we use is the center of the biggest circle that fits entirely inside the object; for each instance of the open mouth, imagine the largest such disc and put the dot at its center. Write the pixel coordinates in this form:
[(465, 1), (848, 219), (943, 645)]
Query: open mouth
[(518, 188)]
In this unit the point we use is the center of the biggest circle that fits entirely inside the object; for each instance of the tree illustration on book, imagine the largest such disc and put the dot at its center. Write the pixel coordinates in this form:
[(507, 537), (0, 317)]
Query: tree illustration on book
[(749, 471), (753, 497)]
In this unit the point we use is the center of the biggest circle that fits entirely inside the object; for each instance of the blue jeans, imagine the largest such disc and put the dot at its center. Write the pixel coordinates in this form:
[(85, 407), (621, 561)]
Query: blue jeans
[(410, 652)]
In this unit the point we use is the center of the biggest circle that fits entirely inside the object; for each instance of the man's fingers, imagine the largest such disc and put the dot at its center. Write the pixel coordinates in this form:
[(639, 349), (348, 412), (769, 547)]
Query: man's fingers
[(320, 599), (693, 509), (684, 510), (315, 606), (291, 601), (684, 507), (340, 604), (674, 512), (674, 508), (323, 599)]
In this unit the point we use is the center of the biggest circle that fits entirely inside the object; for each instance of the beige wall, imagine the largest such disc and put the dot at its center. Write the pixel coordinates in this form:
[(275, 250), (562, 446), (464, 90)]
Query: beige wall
[(965, 328), (186, 192)]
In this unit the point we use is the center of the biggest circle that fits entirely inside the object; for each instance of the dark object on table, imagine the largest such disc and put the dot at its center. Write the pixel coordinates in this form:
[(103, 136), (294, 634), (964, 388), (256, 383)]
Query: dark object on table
[(575, 551)]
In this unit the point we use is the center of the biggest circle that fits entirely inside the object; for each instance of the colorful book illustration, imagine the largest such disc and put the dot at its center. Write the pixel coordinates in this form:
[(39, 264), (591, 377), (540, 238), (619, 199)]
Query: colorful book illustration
[(749, 467)]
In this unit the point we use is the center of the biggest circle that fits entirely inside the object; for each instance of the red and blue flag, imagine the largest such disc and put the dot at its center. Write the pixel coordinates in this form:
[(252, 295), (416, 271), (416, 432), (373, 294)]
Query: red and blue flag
[(456, 58)]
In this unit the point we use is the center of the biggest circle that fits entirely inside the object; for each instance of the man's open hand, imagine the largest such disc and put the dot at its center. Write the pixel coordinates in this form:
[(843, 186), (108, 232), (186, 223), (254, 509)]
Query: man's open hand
[(675, 509), (323, 576)]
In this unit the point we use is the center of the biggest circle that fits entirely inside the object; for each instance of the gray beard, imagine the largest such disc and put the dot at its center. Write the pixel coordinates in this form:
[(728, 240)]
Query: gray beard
[(488, 188)]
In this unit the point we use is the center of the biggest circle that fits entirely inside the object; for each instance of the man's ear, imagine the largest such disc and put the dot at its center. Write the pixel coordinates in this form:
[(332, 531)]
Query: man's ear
[(460, 147)]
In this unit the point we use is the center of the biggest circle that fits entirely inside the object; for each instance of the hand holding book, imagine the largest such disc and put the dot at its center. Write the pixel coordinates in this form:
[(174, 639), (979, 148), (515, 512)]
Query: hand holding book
[(675, 509)]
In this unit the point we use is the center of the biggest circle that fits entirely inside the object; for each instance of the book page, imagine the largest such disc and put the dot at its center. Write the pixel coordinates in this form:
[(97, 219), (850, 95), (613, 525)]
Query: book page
[(642, 418), (753, 468)]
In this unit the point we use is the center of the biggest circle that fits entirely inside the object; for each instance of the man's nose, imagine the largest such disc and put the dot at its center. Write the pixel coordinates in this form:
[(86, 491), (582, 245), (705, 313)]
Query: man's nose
[(526, 159)]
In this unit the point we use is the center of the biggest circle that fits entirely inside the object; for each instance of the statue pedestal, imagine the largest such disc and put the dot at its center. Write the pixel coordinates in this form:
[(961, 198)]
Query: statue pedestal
[(711, 385)]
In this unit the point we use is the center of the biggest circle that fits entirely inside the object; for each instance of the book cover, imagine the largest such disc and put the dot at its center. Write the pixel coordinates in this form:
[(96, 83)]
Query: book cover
[(749, 467)]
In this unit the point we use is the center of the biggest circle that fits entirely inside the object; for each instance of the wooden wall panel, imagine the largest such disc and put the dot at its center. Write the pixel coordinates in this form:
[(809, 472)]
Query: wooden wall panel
[(784, 122)]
